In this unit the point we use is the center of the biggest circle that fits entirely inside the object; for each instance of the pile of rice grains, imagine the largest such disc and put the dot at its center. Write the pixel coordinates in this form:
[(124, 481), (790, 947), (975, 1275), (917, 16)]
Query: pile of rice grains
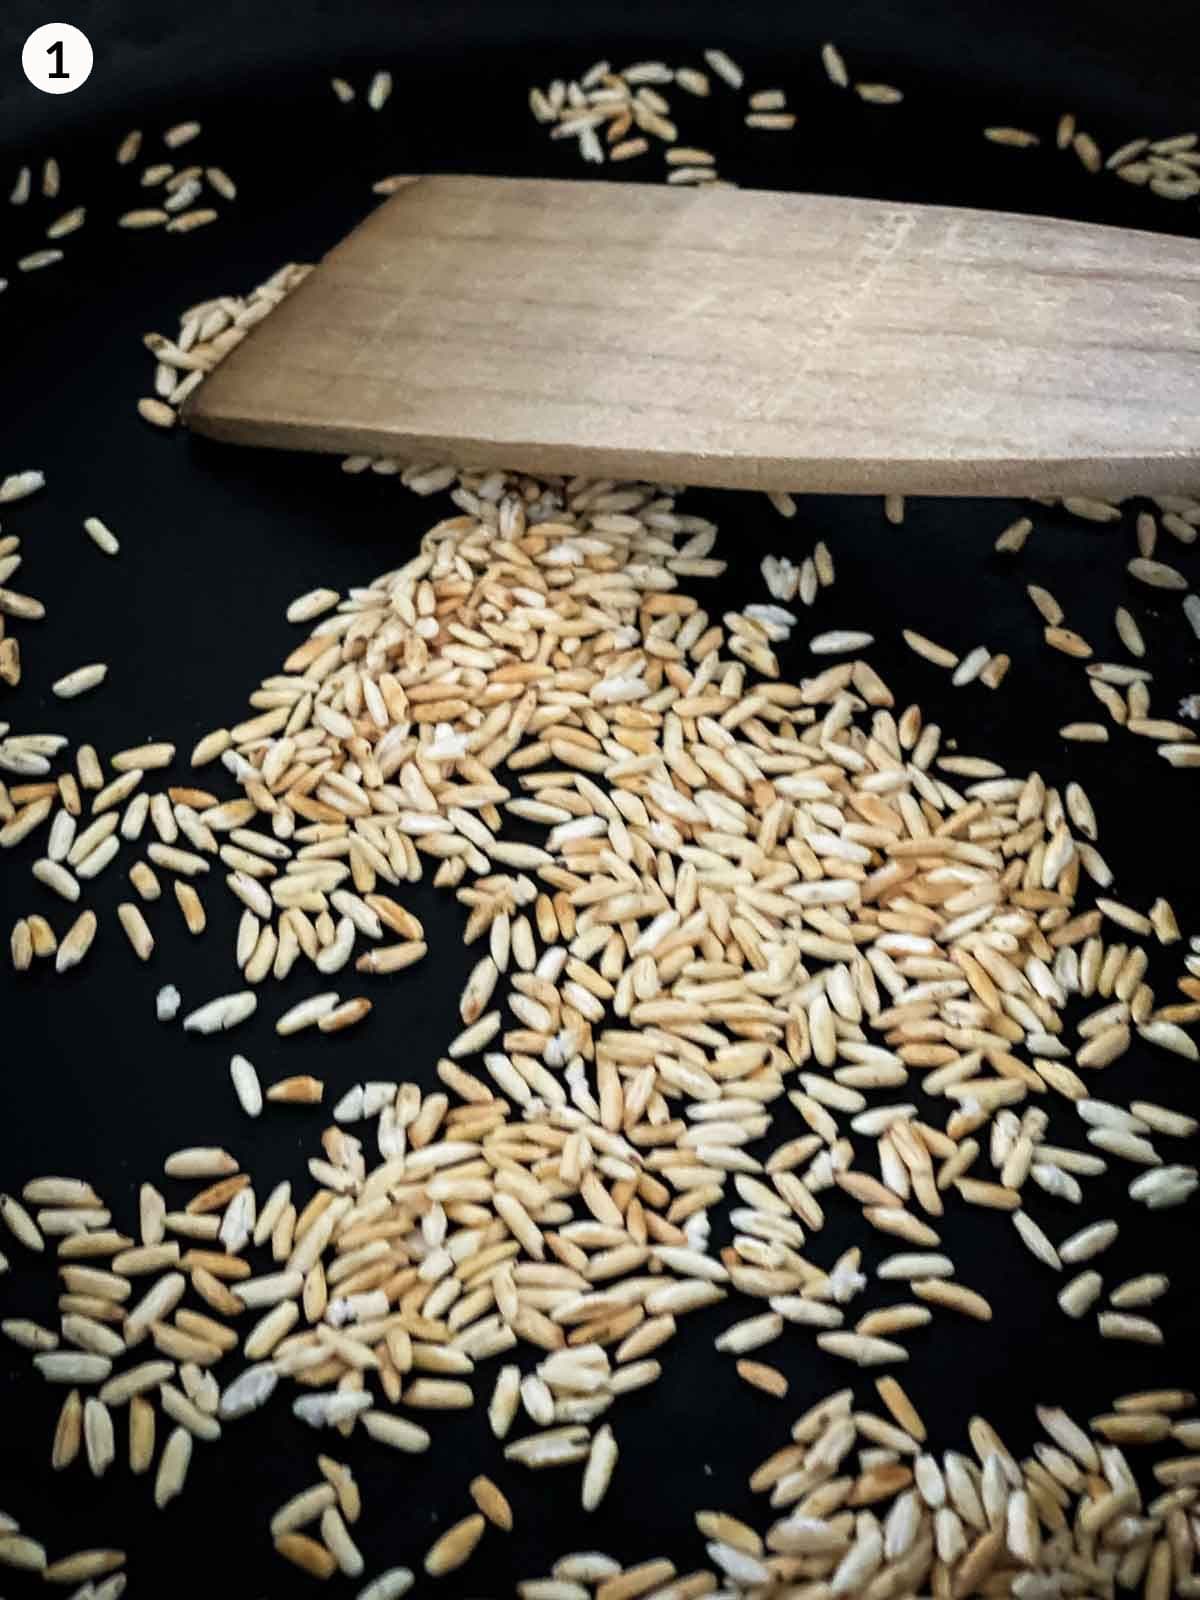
[(748, 895)]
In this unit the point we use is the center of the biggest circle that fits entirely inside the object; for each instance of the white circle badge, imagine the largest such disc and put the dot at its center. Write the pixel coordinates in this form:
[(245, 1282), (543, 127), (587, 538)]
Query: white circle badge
[(57, 58)]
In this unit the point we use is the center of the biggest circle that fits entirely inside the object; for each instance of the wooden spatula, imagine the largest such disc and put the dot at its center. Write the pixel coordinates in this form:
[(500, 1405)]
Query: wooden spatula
[(735, 338)]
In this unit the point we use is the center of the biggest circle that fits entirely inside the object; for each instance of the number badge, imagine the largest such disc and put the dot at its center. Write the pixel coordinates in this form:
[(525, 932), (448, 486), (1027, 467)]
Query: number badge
[(57, 58)]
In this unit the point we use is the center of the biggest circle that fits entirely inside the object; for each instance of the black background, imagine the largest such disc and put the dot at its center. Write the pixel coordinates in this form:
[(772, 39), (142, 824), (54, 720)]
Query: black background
[(190, 617)]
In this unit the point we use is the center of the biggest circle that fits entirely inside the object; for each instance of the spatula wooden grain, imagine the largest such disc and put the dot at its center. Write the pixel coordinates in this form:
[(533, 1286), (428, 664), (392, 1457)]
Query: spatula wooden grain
[(735, 338)]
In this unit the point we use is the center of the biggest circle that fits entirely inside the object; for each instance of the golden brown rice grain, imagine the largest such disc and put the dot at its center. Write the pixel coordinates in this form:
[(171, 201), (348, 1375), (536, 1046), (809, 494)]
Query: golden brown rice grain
[(491, 1502), (455, 1547)]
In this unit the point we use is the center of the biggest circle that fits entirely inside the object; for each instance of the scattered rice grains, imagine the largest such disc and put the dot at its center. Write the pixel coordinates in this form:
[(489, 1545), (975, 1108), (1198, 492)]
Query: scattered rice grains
[(734, 887)]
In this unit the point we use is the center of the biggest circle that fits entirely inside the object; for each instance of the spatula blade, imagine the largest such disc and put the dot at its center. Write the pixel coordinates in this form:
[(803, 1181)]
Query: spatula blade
[(734, 338)]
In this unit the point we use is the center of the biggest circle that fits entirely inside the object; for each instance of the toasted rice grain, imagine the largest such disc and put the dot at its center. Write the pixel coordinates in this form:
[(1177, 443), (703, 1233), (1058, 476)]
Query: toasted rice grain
[(455, 1547)]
